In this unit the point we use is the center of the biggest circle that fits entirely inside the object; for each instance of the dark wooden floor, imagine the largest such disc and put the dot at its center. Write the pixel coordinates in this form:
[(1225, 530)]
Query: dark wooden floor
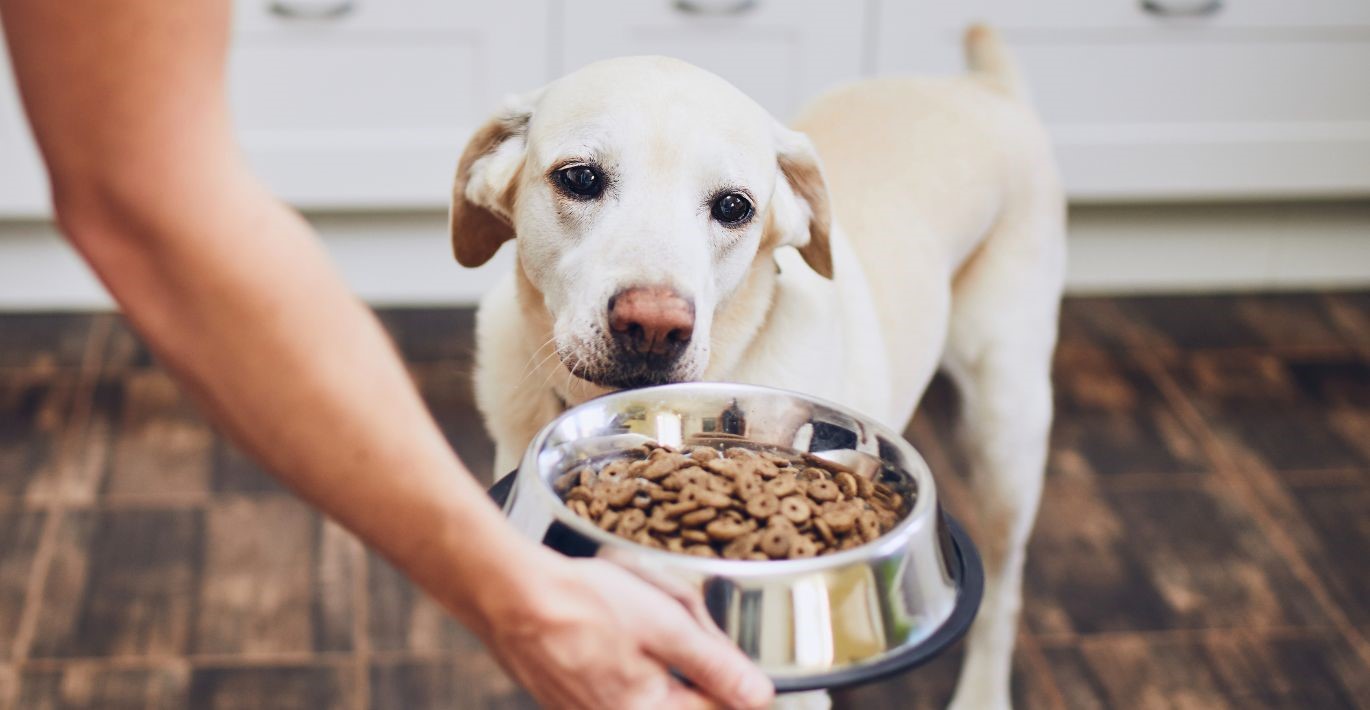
[(1204, 541)]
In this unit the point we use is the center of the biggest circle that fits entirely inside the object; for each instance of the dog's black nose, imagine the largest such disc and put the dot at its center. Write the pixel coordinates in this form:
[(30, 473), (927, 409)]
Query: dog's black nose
[(652, 323)]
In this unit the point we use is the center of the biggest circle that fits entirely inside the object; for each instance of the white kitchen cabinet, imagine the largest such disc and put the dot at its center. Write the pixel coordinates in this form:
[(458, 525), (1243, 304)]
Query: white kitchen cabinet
[(23, 184), (366, 104), (1174, 99), (346, 105), (779, 52)]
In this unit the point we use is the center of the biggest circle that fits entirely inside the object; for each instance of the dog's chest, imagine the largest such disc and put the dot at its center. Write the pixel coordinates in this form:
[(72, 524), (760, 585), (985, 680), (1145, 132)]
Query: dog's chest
[(819, 340)]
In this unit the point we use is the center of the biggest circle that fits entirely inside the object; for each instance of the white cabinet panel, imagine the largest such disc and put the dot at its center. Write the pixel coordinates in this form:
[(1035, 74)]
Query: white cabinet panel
[(370, 108), (779, 52), (23, 182), (362, 108), (354, 104), (1257, 98)]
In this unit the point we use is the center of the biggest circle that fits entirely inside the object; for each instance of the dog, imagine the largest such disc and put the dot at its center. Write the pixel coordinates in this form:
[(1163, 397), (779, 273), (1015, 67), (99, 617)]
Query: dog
[(669, 229)]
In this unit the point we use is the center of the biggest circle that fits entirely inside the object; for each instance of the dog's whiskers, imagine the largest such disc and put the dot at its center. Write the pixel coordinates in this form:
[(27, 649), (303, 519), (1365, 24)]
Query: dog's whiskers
[(549, 379), (570, 378), (573, 380), (540, 363), (539, 348)]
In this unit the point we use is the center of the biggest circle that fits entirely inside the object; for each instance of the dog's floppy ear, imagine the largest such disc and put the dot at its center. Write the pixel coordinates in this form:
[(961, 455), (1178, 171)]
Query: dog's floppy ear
[(481, 215), (801, 212)]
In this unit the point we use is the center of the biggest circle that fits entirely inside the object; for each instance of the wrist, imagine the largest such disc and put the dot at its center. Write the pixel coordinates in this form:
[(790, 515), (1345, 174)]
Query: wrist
[(479, 568), (517, 594)]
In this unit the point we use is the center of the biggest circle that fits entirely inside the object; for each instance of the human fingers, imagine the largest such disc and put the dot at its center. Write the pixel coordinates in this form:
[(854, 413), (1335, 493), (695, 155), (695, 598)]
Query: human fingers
[(716, 667)]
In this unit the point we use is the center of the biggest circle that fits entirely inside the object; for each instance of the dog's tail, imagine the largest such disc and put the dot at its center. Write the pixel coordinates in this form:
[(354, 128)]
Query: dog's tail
[(987, 56)]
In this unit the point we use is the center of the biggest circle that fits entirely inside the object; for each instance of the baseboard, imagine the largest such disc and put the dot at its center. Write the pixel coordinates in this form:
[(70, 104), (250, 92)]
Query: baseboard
[(404, 258), (389, 259)]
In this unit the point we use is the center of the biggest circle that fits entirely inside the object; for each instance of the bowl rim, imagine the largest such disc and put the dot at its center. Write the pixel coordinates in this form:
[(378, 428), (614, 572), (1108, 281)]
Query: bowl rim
[(923, 514)]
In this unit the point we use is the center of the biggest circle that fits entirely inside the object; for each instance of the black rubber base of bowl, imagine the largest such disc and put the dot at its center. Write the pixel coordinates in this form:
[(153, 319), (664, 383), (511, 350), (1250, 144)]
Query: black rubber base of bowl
[(966, 571)]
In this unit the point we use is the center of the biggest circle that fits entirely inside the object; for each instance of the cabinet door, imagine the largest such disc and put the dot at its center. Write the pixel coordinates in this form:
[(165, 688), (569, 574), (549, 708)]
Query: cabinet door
[(346, 104), (1168, 99), (779, 52), (23, 182), (366, 104)]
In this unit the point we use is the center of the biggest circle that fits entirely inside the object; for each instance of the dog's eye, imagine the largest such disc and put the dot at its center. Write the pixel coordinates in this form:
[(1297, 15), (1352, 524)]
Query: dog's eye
[(581, 180), (732, 208)]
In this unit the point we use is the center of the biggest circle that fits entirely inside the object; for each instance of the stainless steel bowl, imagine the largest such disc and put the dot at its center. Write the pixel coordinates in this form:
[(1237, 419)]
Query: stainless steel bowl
[(821, 622)]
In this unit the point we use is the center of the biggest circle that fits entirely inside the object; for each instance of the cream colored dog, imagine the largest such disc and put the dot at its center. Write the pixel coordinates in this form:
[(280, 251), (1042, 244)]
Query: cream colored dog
[(669, 229)]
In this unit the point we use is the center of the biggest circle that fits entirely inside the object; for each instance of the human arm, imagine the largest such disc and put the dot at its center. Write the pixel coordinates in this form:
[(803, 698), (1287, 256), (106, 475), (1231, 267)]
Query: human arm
[(236, 297)]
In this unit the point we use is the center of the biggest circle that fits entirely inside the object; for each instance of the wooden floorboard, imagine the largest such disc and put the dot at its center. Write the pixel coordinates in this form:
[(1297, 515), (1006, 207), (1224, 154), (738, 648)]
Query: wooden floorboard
[(1204, 539), (122, 582), (19, 534), (34, 410)]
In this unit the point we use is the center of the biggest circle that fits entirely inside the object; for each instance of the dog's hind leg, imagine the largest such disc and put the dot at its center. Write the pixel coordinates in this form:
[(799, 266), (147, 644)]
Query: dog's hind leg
[(999, 350)]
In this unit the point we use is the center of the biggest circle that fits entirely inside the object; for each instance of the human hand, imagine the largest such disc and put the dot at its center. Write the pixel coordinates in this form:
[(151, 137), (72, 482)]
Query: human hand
[(590, 634)]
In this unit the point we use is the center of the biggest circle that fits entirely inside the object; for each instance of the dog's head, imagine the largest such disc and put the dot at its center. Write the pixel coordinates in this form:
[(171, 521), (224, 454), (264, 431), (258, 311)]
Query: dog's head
[(641, 192)]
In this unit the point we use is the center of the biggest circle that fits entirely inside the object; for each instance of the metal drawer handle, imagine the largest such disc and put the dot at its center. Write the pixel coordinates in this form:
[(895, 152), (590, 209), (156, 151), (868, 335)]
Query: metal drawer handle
[(1166, 8), (311, 10), (721, 9)]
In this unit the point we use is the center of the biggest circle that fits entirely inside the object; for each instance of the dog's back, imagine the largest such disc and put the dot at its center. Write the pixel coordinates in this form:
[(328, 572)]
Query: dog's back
[(920, 171), (947, 192)]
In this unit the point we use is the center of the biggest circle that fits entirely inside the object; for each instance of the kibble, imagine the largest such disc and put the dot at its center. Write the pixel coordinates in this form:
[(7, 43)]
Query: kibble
[(795, 509), (763, 506), (739, 503), (823, 490), (699, 517)]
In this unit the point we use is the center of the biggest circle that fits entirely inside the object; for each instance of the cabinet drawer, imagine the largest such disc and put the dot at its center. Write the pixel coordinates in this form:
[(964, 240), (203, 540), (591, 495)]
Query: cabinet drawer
[(1258, 98), (779, 52), (370, 107)]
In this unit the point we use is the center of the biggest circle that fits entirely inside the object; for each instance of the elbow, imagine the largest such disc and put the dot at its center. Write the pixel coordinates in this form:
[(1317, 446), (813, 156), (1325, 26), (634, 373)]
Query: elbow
[(96, 215), (148, 205), (107, 230), (85, 209), (129, 213), (123, 233), (123, 239)]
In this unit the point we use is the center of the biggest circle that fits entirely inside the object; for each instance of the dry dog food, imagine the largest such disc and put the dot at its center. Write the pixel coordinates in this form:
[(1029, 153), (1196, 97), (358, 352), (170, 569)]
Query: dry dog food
[(740, 503)]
